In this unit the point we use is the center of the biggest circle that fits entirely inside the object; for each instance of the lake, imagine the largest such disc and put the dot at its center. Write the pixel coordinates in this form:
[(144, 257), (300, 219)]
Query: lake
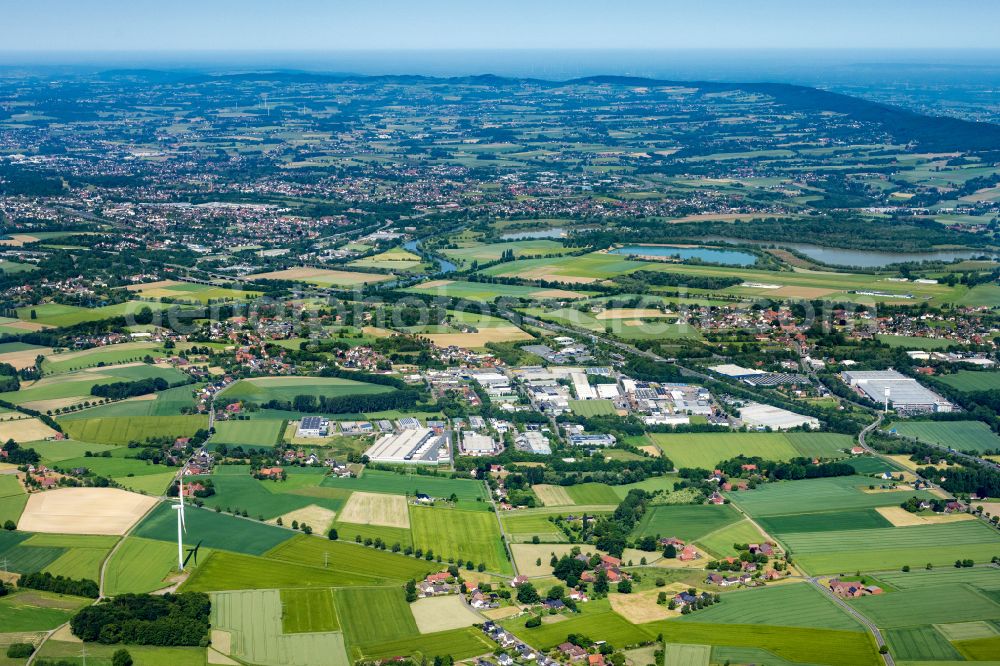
[(839, 256), (711, 255)]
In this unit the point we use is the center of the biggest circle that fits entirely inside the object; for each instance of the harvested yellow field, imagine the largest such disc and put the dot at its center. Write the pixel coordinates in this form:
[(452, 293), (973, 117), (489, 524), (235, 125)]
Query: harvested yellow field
[(322, 277), (558, 293), (552, 495), (640, 607), (443, 613), (25, 430), (434, 284), (988, 507), (18, 240), (629, 313), (501, 613), (56, 403), (156, 289), (900, 517), (27, 325), (317, 517), (84, 511), (24, 358), (526, 556), (545, 273), (376, 509), (652, 450), (478, 339)]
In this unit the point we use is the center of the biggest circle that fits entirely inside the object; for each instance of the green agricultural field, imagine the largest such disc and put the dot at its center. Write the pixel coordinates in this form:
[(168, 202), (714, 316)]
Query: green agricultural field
[(982, 577), (68, 652), (258, 432), (793, 644), (827, 521), (147, 484), (980, 649), (706, 450), (37, 394), (32, 610), (55, 450), (372, 615), (486, 252), (142, 565), (55, 314), (923, 643), (885, 549), (308, 610), (842, 493), (263, 389), (592, 493), (122, 430), (114, 466), (914, 342), (352, 559), (967, 380), (264, 498), (254, 621), (233, 571), (166, 403), (456, 643), (792, 605), (595, 266), (486, 292), (680, 654), (521, 527), (688, 522), (214, 530), (390, 535), (599, 626), (720, 542), (109, 355), (589, 408), (376, 481), (959, 435), (12, 498), (467, 535), (928, 605)]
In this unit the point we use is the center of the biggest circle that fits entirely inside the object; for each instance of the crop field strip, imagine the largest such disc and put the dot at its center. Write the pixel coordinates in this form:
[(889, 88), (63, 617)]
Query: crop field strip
[(928, 605), (377, 481), (706, 450), (254, 620), (790, 605), (959, 435), (818, 495), (688, 522), (454, 533)]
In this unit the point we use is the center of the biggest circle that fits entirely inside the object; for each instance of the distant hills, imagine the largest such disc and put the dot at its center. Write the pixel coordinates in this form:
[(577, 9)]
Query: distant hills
[(930, 133)]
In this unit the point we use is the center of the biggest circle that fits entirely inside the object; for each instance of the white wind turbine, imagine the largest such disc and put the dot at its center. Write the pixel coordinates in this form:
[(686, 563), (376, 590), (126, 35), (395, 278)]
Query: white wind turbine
[(181, 527)]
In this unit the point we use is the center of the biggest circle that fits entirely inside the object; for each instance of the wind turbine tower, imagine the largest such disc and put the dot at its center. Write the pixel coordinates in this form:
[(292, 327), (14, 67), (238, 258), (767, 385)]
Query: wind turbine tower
[(181, 527), (886, 400)]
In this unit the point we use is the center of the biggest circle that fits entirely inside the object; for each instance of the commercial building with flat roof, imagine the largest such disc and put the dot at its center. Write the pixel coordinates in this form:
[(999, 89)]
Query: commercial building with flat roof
[(905, 393), (313, 426), (416, 445)]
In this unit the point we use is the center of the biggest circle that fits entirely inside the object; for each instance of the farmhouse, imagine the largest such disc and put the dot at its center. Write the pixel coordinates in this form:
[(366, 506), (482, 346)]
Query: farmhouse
[(313, 426)]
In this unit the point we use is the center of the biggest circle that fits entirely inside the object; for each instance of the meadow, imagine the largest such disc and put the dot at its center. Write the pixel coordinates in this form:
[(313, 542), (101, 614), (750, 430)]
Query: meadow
[(12, 498), (706, 450), (263, 389), (322, 277), (794, 644), (467, 535), (214, 530), (920, 643), (56, 314), (486, 252), (127, 352), (377, 481), (308, 610), (270, 499), (352, 559), (592, 493), (840, 493), (164, 403), (253, 619), (223, 570), (372, 615), (259, 432), (122, 429), (959, 435), (53, 391), (142, 565), (457, 643), (487, 292), (927, 605), (967, 381), (791, 605), (687, 522), (607, 624), (985, 578), (884, 549), (720, 542), (824, 521), (189, 292), (32, 610), (576, 269)]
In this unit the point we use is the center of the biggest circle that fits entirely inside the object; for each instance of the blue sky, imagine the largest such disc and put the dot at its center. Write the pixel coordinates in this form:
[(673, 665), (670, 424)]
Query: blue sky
[(285, 25)]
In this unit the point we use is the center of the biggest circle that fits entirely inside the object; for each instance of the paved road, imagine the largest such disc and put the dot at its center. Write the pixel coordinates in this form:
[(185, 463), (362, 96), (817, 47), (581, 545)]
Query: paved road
[(850, 610)]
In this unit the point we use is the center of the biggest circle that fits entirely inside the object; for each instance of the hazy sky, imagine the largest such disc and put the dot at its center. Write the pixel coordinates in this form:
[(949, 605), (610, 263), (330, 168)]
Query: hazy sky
[(182, 25)]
